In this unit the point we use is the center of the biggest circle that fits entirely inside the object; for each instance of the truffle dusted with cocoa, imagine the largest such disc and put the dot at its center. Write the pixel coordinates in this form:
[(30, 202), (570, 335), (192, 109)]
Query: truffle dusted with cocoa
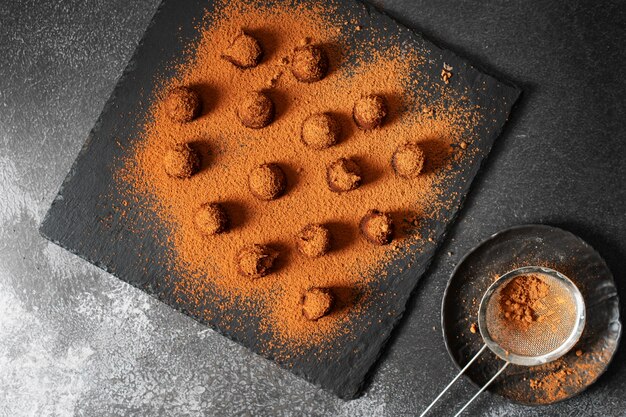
[(316, 303), (244, 51), (314, 240), (211, 219), (256, 261), (267, 182), (181, 161), (320, 131), (309, 63), (370, 111), (343, 175), (408, 160), (377, 227), (183, 104), (255, 110)]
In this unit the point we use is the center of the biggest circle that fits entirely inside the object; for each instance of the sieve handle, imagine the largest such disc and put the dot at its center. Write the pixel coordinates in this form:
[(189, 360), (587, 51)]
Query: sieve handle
[(482, 389), (455, 379)]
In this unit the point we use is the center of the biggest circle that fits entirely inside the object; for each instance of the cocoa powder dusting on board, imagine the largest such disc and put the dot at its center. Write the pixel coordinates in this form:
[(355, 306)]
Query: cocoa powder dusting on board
[(205, 265)]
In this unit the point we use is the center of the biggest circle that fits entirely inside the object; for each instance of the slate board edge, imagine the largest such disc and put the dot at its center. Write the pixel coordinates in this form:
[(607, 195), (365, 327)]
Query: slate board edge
[(128, 69), (131, 67), (415, 32)]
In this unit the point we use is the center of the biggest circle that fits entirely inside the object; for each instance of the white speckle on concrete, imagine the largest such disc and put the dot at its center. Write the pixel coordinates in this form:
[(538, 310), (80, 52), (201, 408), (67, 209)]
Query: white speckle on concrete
[(364, 406), (37, 377), (63, 264), (14, 198)]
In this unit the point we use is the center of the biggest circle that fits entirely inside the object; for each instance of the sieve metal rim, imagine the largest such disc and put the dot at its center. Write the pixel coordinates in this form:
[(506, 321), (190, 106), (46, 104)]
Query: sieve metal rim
[(532, 360)]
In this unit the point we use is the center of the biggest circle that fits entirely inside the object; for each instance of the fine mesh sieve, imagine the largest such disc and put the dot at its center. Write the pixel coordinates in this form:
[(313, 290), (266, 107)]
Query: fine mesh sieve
[(526, 324), (559, 318)]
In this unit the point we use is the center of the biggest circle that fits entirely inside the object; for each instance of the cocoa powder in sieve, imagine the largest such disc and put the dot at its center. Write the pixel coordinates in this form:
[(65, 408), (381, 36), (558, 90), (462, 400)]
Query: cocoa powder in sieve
[(518, 298)]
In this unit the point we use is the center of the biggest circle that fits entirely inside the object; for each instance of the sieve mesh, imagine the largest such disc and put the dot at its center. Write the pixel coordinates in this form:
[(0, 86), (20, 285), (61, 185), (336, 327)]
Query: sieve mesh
[(554, 319)]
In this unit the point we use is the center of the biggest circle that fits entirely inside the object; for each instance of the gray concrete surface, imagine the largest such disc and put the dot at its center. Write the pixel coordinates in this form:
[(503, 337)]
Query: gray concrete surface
[(76, 341)]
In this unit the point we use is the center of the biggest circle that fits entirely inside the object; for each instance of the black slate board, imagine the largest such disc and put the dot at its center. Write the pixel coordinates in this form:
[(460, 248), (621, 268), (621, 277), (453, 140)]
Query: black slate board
[(84, 222)]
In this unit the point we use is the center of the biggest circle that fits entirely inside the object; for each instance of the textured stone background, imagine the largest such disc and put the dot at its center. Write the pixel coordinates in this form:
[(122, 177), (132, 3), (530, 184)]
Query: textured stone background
[(76, 341)]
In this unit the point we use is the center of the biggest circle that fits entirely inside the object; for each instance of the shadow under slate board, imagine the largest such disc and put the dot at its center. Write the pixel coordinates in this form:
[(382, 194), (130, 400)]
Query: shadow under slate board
[(83, 218)]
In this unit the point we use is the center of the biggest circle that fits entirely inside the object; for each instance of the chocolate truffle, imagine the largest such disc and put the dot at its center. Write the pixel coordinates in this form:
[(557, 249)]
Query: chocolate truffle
[(267, 182), (408, 160), (255, 110), (243, 52), (211, 219), (320, 131), (377, 227), (316, 303), (183, 104), (314, 240), (181, 161), (256, 261), (343, 175), (310, 63), (369, 111)]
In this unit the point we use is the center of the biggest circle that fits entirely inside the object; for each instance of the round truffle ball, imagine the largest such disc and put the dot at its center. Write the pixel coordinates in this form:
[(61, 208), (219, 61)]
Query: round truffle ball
[(183, 104), (310, 63), (408, 160), (377, 227), (314, 240), (181, 161), (316, 303), (267, 182), (320, 131), (370, 111), (343, 175), (255, 110), (256, 261), (244, 51), (211, 219)]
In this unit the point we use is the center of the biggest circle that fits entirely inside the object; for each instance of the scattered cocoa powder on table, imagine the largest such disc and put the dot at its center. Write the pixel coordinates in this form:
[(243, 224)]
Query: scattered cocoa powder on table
[(232, 141)]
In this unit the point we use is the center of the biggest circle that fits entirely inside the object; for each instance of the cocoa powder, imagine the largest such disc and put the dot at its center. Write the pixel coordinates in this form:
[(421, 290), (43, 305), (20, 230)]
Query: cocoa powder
[(208, 266), (518, 298)]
